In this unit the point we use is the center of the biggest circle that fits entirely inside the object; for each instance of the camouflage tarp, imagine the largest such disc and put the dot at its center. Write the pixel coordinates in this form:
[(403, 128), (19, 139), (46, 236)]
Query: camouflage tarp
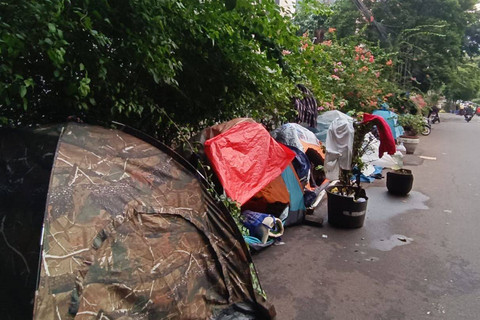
[(130, 233)]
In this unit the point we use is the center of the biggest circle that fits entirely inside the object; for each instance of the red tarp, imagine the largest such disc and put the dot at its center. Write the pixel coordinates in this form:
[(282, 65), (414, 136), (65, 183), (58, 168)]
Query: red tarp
[(246, 158), (387, 143)]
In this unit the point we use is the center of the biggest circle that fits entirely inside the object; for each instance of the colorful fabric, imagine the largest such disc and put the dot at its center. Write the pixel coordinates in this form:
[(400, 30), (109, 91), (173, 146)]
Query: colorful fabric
[(296, 213), (301, 163), (387, 143), (294, 135), (246, 158), (392, 119), (273, 198), (306, 107)]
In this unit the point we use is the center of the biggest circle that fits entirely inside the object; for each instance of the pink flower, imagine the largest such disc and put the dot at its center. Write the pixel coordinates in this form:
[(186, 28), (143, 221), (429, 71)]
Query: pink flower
[(332, 30), (286, 52), (321, 108), (389, 62), (328, 43), (371, 59), (335, 77), (377, 74), (335, 70)]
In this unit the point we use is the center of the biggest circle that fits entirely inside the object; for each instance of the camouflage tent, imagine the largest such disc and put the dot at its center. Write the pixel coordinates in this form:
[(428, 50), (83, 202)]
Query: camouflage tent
[(130, 232)]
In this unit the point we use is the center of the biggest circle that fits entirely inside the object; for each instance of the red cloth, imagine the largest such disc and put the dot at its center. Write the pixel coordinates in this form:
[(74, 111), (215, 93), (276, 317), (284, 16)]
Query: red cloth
[(246, 159), (387, 143)]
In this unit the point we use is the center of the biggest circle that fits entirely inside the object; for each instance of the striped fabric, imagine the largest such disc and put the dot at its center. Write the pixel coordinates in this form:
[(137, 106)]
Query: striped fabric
[(306, 107)]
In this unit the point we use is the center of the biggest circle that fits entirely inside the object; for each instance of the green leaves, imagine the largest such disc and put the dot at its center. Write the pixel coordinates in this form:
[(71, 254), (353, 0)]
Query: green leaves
[(84, 87)]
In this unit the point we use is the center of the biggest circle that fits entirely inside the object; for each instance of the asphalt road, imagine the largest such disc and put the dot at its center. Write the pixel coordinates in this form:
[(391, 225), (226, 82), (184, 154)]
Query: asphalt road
[(416, 257)]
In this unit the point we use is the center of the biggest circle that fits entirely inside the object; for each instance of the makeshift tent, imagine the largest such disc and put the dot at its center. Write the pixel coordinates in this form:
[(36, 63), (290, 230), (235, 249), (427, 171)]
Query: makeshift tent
[(293, 134), (296, 212), (392, 120), (129, 230), (215, 130), (325, 119), (246, 158), (272, 199), (301, 163), (285, 190)]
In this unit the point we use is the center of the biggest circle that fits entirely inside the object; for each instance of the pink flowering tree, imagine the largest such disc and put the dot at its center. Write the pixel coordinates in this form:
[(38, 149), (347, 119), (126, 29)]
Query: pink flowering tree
[(344, 76)]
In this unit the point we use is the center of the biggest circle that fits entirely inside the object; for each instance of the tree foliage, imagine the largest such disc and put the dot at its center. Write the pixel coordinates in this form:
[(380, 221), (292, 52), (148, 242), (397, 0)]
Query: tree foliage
[(427, 35), (466, 82), (143, 62), (172, 67)]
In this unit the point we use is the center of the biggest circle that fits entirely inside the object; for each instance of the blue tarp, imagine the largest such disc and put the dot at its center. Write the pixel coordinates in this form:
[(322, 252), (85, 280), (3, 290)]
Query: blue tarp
[(375, 175), (300, 163), (392, 120)]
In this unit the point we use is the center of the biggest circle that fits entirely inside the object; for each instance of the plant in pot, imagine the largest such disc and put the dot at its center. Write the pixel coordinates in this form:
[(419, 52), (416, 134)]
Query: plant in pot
[(347, 200), (412, 124)]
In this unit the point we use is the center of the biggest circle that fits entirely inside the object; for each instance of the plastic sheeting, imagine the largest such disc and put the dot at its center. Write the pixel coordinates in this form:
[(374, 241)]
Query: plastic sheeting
[(339, 146), (301, 163), (294, 135), (325, 119), (246, 158), (220, 128)]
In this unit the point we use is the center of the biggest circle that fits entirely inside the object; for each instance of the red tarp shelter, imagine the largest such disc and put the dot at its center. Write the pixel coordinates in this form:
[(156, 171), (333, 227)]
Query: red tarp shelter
[(246, 158)]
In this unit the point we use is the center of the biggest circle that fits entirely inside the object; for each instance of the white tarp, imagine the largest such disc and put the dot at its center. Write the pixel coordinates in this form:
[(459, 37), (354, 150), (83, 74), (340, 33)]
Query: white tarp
[(325, 119), (339, 145), (291, 134)]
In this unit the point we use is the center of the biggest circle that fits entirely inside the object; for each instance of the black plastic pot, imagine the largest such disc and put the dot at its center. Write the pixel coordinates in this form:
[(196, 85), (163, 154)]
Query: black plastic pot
[(345, 212), (400, 182)]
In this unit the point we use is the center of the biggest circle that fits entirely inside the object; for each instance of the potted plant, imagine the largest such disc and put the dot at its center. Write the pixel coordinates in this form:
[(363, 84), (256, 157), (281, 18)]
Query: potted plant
[(347, 201), (412, 124)]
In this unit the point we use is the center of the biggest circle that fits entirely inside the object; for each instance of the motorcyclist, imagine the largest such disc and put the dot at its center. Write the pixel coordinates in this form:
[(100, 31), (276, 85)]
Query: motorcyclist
[(468, 113), (434, 111)]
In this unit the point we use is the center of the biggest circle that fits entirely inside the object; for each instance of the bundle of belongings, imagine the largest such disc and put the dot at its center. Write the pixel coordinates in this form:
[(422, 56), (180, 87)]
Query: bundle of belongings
[(337, 130), (268, 175)]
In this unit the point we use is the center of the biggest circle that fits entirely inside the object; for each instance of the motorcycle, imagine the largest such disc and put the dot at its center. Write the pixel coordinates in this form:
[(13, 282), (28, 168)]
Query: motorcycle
[(434, 118), (468, 117), (427, 126)]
